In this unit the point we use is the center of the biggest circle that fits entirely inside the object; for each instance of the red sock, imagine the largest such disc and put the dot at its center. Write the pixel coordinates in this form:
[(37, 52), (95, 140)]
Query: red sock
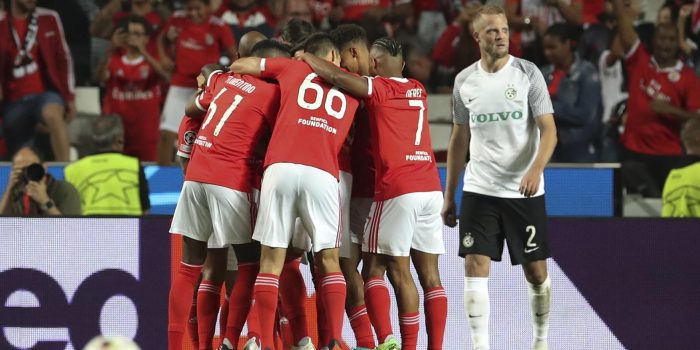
[(179, 302), (208, 297), (334, 290), (239, 302), (378, 307), (359, 321), (266, 292), (409, 324), (192, 324), (293, 297), (435, 306), (321, 321), (223, 317)]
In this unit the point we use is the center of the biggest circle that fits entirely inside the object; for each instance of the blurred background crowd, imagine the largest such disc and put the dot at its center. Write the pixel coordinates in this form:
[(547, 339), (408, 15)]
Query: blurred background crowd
[(622, 92)]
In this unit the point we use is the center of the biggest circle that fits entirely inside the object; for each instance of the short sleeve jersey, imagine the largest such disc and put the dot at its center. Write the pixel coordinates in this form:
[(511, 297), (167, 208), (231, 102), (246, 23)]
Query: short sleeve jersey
[(196, 45), (133, 88), (645, 130), (404, 159), (314, 117), (186, 135), (239, 110), (500, 109)]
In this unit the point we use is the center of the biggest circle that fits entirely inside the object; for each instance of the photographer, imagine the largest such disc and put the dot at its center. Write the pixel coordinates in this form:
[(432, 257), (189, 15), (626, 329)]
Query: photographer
[(31, 191)]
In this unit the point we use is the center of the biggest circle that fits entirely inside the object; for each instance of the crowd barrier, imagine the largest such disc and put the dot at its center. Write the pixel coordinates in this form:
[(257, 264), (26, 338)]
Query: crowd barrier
[(581, 190), (617, 284)]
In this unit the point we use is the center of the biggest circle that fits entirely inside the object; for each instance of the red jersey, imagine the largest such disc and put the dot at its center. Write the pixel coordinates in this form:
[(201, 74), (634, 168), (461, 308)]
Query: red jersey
[(646, 131), (239, 112), (197, 45), (398, 114), (314, 117), (133, 92), (186, 135), (361, 157), (28, 81)]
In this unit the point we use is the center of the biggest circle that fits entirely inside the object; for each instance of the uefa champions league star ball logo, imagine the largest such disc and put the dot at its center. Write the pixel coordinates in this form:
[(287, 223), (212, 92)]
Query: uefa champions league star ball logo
[(468, 240), (511, 93), (189, 137)]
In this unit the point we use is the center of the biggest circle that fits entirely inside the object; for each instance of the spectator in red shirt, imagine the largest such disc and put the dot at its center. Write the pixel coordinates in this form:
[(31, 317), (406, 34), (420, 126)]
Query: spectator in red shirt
[(663, 94), (36, 77), (197, 38), (132, 78)]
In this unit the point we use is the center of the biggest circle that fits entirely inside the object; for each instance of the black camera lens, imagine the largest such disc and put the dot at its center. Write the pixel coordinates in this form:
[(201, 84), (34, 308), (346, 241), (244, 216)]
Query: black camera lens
[(34, 172)]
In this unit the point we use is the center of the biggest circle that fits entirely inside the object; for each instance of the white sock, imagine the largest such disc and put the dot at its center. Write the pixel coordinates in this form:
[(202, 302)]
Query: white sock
[(540, 297), (476, 302)]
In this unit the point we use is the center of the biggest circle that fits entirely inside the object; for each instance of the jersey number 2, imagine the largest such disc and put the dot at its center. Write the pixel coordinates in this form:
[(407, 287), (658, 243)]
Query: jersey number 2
[(419, 131), (316, 103), (227, 113)]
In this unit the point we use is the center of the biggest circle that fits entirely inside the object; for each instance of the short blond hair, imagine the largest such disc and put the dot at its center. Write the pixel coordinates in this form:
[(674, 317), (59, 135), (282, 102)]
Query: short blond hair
[(486, 10)]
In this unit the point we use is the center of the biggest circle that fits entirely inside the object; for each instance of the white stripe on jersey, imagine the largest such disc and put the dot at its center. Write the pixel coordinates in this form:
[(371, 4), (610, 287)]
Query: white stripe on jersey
[(500, 108)]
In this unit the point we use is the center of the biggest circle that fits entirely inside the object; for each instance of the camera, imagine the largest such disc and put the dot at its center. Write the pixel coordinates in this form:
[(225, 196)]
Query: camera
[(33, 172)]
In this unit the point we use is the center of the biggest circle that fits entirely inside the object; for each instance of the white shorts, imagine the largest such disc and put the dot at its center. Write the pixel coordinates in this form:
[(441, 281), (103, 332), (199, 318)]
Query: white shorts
[(206, 211), (410, 221), (345, 193), (291, 191), (359, 212), (174, 108)]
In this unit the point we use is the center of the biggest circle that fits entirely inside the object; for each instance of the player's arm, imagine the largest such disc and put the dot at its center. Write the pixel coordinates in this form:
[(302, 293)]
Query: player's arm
[(625, 26), (548, 140), (456, 157), (354, 84), (248, 65), (199, 102)]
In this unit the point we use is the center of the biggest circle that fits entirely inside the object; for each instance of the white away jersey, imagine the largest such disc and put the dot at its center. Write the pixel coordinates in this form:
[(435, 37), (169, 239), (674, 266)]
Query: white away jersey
[(501, 109)]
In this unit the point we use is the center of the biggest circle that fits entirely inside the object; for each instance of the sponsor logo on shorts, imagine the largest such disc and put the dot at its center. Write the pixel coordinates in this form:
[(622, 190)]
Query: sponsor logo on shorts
[(468, 240)]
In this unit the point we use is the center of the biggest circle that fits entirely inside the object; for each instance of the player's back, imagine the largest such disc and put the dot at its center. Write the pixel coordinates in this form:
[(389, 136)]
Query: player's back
[(314, 117), (404, 159), (240, 111)]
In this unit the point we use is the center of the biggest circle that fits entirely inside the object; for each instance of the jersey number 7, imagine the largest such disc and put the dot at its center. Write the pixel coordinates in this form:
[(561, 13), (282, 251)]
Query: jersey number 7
[(419, 131)]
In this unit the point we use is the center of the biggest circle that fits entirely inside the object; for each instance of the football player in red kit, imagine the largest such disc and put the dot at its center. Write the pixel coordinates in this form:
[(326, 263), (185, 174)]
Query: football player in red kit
[(215, 200), (301, 180), (404, 221)]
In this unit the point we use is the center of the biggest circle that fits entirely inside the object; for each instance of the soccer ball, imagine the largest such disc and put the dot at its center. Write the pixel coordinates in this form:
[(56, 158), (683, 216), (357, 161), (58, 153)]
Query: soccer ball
[(111, 343)]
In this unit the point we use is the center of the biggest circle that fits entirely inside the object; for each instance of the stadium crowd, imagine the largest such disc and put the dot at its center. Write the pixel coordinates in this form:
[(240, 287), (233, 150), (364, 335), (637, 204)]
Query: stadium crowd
[(621, 90)]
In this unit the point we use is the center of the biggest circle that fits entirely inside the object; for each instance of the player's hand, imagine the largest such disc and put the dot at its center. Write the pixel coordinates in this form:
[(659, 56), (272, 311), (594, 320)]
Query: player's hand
[(208, 69), (449, 213), (530, 182), (37, 191)]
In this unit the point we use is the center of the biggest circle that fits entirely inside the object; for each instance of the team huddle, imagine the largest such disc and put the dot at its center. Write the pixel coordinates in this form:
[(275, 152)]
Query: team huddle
[(326, 156)]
